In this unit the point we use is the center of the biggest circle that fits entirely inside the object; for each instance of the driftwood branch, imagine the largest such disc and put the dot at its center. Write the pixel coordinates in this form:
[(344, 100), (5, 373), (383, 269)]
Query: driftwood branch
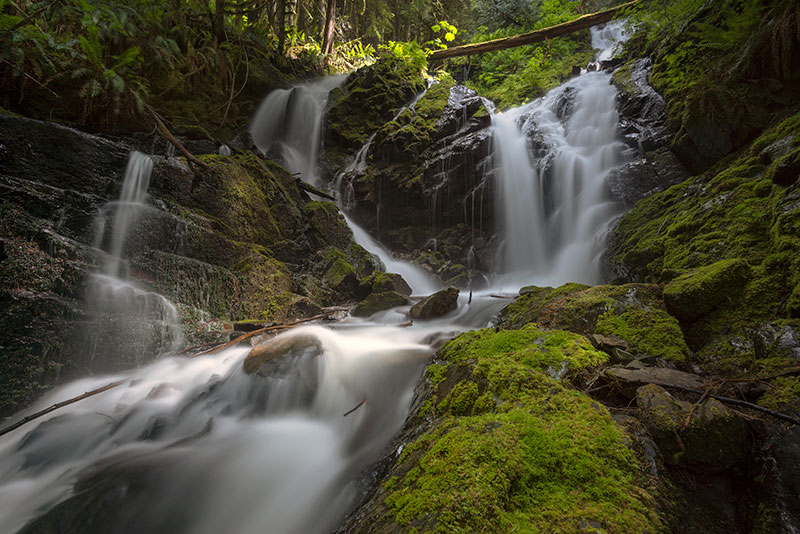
[(172, 139), (348, 412), (272, 328), (308, 188), (61, 404), (559, 30)]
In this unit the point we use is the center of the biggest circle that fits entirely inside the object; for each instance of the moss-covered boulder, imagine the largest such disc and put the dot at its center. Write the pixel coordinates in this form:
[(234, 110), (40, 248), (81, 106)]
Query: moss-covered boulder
[(704, 231), (378, 282), (498, 445), (634, 313), (694, 294), (380, 301), (437, 305)]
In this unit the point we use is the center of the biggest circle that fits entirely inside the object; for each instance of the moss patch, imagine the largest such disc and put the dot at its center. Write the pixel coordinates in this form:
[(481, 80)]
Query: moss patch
[(633, 312), (514, 450)]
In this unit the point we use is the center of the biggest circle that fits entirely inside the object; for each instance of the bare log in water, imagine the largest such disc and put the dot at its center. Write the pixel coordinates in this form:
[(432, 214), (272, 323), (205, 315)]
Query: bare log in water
[(559, 30)]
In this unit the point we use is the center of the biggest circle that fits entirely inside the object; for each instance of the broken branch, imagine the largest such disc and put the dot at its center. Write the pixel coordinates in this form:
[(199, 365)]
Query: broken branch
[(61, 404)]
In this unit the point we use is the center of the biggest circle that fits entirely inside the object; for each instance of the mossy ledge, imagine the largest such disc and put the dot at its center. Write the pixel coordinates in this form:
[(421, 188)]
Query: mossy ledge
[(500, 445)]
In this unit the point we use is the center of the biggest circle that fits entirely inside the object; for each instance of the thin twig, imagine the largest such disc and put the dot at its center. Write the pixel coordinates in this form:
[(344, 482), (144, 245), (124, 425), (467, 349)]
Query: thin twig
[(248, 335), (172, 139), (348, 412), (61, 404)]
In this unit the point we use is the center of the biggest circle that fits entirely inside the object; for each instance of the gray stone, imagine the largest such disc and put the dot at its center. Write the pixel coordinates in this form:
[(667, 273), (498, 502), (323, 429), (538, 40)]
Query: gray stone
[(437, 305)]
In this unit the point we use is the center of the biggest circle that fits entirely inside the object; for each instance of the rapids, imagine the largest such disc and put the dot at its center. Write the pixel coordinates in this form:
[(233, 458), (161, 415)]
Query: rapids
[(196, 445)]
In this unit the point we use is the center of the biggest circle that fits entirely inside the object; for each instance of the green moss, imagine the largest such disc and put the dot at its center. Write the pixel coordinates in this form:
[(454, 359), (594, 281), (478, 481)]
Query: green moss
[(694, 294), (512, 448), (436, 373), (653, 332), (782, 391), (550, 462)]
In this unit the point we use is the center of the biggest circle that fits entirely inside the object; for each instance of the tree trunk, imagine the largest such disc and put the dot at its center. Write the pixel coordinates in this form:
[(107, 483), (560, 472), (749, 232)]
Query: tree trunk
[(219, 21), (330, 24), (281, 25), (581, 23)]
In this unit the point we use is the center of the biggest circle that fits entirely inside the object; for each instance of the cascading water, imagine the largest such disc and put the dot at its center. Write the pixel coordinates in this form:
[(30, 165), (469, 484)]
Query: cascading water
[(199, 446), (288, 125), (553, 199), (124, 314)]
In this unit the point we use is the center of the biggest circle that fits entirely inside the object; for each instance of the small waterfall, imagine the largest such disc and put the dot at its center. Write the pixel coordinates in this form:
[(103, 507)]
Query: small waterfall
[(284, 120), (131, 201), (131, 323), (552, 158), (288, 125), (419, 281)]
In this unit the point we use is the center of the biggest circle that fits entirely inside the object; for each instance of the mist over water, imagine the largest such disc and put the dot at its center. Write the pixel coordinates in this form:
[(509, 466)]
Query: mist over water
[(196, 445)]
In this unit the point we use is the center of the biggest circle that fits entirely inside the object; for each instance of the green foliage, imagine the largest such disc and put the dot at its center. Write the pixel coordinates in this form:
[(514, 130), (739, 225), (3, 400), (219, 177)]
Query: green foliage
[(519, 74)]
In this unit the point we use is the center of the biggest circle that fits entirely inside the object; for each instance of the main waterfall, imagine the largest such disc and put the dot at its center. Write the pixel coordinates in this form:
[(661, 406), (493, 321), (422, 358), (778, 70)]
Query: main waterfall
[(197, 445), (553, 156)]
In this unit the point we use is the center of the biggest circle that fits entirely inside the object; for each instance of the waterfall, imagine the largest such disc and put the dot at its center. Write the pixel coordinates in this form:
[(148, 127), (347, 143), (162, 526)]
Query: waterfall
[(291, 121), (130, 322), (552, 158), (196, 445), (288, 125)]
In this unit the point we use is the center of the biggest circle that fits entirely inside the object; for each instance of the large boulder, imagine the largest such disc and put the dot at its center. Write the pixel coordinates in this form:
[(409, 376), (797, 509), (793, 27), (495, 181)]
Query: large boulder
[(437, 305), (694, 294), (494, 443)]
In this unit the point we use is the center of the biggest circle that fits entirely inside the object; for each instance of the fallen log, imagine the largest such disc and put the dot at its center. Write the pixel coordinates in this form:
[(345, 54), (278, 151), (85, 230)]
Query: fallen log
[(559, 30), (172, 139), (308, 188), (234, 342)]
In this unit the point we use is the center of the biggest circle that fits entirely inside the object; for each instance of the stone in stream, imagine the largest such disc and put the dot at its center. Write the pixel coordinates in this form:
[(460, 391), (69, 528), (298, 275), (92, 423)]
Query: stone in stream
[(437, 305), (377, 302), (266, 359)]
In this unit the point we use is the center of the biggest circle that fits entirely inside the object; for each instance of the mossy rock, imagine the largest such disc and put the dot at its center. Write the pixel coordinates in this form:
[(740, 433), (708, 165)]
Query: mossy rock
[(377, 302), (329, 223), (379, 282), (694, 294), (632, 312), (507, 448), (713, 439), (437, 305)]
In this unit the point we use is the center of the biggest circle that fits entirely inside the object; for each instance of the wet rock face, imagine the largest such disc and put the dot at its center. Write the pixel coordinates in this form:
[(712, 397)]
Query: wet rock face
[(238, 240), (426, 174), (644, 176)]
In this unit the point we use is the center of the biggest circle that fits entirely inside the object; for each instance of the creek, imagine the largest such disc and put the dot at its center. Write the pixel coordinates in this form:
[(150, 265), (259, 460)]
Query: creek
[(197, 445)]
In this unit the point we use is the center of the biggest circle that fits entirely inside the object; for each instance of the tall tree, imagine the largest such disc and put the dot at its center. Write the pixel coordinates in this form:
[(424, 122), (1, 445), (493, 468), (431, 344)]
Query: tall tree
[(330, 23)]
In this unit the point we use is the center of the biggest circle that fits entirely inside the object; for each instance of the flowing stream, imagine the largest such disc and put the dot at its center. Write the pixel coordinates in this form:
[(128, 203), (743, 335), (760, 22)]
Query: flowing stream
[(196, 445)]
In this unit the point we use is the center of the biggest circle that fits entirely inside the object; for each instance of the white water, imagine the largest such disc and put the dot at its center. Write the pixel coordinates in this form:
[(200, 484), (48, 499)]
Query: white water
[(143, 321), (420, 281), (289, 123), (197, 446), (555, 208)]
